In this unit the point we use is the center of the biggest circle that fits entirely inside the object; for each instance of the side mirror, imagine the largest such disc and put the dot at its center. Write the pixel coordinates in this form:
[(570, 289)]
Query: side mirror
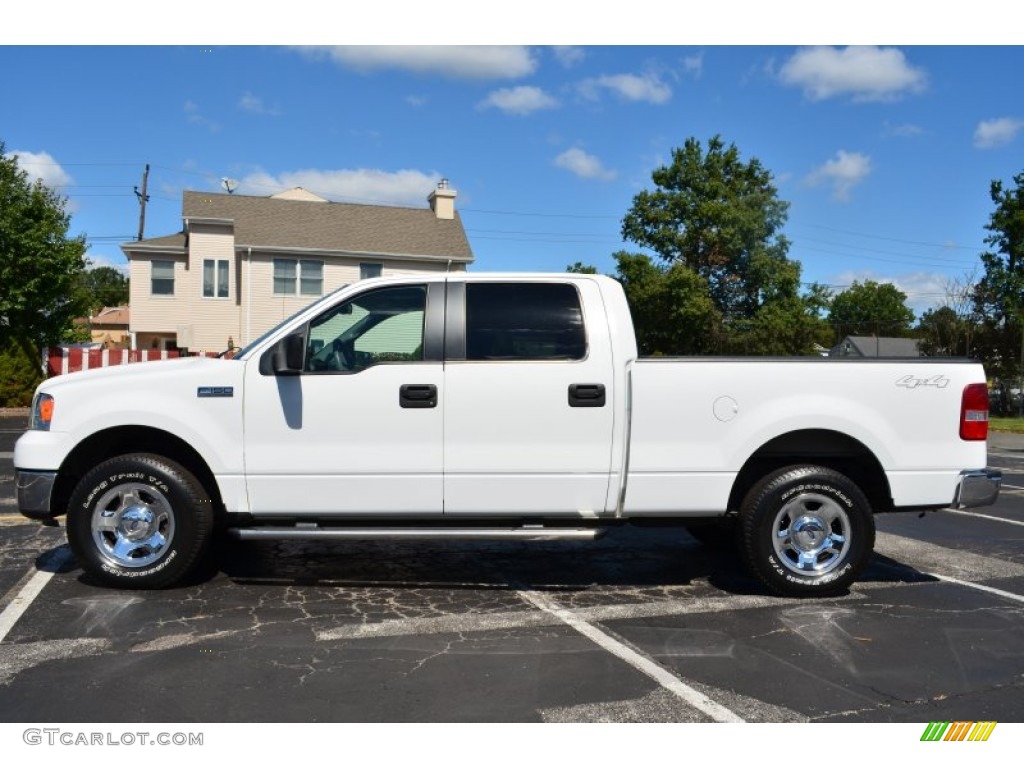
[(286, 357)]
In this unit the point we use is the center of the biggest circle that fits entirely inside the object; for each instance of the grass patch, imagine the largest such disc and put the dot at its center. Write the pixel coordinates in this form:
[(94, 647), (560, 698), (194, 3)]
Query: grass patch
[(1007, 424)]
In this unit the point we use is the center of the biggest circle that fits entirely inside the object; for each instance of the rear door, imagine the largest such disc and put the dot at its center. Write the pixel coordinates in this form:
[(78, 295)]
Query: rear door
[(528, 398)]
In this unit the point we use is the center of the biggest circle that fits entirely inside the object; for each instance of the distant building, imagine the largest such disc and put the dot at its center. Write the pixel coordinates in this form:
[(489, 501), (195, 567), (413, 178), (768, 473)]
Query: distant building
[(109, 326), (241, 264), (875, 346)]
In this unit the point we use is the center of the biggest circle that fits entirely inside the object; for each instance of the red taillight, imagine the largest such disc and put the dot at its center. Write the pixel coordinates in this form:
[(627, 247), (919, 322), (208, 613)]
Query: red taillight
[(974, 412)]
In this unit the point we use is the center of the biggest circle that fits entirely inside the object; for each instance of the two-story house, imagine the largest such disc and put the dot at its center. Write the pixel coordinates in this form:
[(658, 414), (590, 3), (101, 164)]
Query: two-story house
[(241, 263)]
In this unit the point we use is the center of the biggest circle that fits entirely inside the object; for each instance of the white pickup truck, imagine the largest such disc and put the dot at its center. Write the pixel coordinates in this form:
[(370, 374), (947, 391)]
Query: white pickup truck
[(510, 406)]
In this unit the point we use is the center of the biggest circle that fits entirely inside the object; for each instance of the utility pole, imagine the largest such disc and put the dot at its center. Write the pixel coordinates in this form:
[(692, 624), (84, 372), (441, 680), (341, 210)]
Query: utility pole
[(143, 199)]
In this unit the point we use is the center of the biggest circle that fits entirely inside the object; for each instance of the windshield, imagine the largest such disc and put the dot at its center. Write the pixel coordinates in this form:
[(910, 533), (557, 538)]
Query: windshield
[(264, 336)]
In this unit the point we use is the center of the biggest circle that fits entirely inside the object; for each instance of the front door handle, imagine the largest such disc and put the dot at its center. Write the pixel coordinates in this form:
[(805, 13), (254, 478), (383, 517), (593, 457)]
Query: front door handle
[(586, 396), (417, 396)]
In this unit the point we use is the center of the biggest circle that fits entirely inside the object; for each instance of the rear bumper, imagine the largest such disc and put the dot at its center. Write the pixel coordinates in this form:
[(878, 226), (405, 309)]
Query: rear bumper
[(977, 488), (34, 492)]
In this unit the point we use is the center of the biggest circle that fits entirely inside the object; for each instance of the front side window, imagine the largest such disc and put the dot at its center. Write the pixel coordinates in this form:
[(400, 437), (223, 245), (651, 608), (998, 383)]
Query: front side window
[(162, 278), (524, 321), (215, 278), (381, 326)]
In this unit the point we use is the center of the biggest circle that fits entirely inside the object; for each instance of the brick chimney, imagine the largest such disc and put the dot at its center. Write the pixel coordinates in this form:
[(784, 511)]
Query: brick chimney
[(442, 200)]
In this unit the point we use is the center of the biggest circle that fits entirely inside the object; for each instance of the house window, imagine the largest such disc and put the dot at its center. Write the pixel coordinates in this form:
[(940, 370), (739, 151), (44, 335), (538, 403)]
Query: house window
[(215, 278), (305, 276), (311, 278), (370, 270), (162, 278)]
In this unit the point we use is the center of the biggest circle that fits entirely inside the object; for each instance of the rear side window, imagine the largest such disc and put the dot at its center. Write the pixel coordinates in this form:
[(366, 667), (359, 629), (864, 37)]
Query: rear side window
[(524, 321)]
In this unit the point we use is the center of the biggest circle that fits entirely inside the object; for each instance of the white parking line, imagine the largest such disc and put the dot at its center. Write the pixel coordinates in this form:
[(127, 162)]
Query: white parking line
[(6, 454), (30, 592), (986, 517), (638, 661), (1001, 592)]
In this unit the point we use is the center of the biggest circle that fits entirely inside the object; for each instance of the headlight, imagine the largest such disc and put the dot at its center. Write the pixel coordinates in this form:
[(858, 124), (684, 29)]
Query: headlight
[(42, 412)]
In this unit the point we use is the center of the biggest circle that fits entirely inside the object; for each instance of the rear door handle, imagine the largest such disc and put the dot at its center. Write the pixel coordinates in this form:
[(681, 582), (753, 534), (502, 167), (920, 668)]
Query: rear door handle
[(417, 396), (586, 396)]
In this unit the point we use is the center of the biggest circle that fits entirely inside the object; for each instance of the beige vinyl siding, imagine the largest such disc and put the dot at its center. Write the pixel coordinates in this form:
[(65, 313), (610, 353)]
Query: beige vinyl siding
[(210, 320), (151, 313)]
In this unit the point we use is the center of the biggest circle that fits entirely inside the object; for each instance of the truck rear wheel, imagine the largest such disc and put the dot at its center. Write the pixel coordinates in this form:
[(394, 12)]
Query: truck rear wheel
[(807, 531), (139, 521)]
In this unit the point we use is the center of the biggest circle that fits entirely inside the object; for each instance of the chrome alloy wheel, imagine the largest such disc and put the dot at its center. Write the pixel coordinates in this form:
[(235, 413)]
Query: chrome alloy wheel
[(132, 525), (811, 534)]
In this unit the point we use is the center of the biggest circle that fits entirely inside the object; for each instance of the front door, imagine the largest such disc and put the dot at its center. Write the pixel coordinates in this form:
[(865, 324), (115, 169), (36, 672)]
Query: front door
[(360, 430)]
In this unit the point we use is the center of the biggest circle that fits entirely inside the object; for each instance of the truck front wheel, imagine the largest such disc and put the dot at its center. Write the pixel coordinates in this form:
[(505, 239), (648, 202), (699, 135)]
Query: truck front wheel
[(139, 521), (807, 531)]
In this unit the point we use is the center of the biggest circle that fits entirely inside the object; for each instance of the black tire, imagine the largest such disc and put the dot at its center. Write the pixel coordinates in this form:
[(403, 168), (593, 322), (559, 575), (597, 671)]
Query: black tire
[(807, 531), (720, 534), (139, 521)]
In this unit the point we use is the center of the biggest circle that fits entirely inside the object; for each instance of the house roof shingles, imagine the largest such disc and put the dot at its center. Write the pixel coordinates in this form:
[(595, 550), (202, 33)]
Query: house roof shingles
[(325, 226)]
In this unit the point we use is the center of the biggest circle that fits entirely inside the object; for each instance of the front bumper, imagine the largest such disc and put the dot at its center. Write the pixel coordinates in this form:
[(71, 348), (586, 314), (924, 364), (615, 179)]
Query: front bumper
[(35, 490), (977, 488)]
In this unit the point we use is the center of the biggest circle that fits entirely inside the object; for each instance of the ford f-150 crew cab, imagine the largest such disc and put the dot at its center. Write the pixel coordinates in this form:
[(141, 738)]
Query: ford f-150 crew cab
[(509, 406)]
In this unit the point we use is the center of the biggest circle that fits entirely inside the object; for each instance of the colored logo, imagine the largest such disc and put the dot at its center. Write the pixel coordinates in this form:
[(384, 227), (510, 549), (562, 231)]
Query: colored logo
[(958, 731)]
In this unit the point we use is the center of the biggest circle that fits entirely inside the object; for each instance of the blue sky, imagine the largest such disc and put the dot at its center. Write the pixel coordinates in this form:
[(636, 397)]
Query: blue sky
[(885, 153)]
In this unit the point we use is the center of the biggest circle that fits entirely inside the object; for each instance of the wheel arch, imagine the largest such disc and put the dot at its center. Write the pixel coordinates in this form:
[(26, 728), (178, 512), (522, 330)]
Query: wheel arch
[(120, 440), (820, 447)]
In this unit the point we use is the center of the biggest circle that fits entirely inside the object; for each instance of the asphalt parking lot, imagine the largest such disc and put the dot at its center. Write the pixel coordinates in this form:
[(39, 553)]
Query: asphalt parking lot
[(642, 625)]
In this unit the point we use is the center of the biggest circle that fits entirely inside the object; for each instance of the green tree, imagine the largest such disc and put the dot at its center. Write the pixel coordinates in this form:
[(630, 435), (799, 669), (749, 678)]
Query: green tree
[(721, 218), (672, 309), (999, 295), (103, 287), (870, 309), (793, 325), (579, 268), (40, 266)]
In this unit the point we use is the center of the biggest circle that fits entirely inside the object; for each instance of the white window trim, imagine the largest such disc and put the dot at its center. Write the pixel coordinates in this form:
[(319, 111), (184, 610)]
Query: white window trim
[(297, 293), (216, 278), (173, 278)]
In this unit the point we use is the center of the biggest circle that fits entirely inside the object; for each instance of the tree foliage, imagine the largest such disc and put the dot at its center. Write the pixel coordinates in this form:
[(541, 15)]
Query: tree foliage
[(870, 309), (721, 218), (103, 287), (40, 266), (999, 296)]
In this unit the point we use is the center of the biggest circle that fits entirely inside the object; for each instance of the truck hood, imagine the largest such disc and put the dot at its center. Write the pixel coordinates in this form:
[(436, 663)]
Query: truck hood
[(137, 374)]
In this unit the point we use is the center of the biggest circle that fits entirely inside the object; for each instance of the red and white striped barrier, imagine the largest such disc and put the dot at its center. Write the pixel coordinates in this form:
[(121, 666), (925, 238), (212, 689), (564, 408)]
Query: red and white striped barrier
[(60, 360)]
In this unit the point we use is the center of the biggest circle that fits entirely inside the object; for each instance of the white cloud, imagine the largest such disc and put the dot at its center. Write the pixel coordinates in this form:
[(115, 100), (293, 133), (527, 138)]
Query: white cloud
[(521, 100), (568, 55), (584, 165), (362, 185), (415, 101), (867, 73), (902, 130), (694, 65), (924, 290), (842, 173), (254, 104), (649, 87), (194, 116), (471, 62), (97, 260), (996, 132), (41, 165)]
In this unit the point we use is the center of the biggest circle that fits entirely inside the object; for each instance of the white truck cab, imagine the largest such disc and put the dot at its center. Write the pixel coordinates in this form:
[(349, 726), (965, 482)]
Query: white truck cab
[(504, 405)]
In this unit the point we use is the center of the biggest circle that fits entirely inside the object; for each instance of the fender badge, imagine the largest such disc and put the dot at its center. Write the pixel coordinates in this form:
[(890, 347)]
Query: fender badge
[(912, 382), (215, 392)]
